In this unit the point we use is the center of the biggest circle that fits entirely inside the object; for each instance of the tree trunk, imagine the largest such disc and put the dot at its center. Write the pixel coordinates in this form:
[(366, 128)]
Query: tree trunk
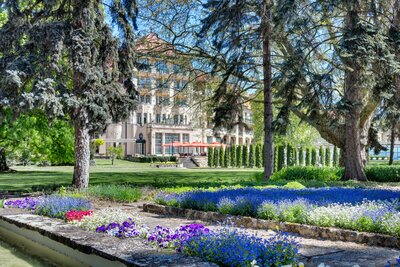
[(3, 161), (82, 155), (268, 115), (392, 140)]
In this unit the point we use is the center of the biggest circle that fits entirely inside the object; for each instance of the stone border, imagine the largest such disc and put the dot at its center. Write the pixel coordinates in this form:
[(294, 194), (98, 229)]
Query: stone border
[(330, 233), (128, 252)]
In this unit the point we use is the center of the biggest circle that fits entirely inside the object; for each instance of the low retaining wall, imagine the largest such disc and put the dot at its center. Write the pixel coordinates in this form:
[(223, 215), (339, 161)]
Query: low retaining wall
[(330, 233), (66, 244)]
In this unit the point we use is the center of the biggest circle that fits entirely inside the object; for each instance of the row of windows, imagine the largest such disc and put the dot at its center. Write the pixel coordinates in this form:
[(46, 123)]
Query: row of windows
[(163, 100), (161, 67), (169, 138), (162, 119), (162, 84)]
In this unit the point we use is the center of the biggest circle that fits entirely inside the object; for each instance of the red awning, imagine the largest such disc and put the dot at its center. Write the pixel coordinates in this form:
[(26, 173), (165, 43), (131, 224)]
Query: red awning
[(199, 144), (216, 144)]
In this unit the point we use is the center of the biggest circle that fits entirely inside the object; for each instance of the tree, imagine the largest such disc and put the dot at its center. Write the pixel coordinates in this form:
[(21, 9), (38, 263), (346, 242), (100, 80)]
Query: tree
[(210, 157), (239, 156), (289, 155), (115, 152), (321, 155), (252, 156), (281, 157), (314, 156), (227, 158), (245, 155), (328, 161), (259, 156), (233, 156), (301, 156), (308, 156), (276, 158), (216, 157), (222, 157), (61, 57), (335, 157)]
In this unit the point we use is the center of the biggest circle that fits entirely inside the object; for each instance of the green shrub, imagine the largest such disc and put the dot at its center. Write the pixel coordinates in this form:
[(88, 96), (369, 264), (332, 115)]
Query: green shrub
[(314, 156), (152, 159), (259, 155), (227, 157), (294, 185), (216, 157), (233, 156), (383, 173), (328, 161), (221, 157), (335, 157), (252, 156), (276, 158), (245, 155), (281, 157), (118, 193), (308, 156), (239, 157), (289, 155), (210, 159), (301, 156), (322, 155), (308, 173)]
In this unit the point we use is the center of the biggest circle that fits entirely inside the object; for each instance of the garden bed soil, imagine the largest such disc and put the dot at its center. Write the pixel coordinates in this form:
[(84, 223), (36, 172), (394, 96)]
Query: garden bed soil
[(329, 233)]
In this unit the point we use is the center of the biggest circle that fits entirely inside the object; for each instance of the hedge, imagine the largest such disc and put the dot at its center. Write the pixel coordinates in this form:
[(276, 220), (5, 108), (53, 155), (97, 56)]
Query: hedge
[(152, 159), (374, 173)]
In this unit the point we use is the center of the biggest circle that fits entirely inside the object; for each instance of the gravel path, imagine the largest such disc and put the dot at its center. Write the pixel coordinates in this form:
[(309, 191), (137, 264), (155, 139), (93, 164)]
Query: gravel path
[(313, 251)]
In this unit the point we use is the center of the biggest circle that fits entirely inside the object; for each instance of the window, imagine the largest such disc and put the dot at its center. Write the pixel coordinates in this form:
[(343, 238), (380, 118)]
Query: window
[(158, 118), (144, 118), (209, 139), (162, 67), (144, 82), (164, 118), (143, 65), (185, 138), (139, 118), (158, 143), (163, 84), (169, 137), (181, 119), (176, 119), (148, 99), (142, 99)]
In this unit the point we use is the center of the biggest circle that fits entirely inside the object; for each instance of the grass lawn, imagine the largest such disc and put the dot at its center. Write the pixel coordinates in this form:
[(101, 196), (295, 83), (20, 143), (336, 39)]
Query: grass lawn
[(123, 172)]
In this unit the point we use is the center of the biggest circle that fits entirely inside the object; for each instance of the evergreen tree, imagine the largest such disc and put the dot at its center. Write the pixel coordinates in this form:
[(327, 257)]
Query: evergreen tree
[(252, 156), (245, 154), (335, 157), (239, 157), (63, 57), (227, 157), (308, 156), (216, 157), (259, 156), (276, 158), (281, 157), (233, 156), (314, 160), (328, 161), (289, 155), (210, 158), (296, 156), (301, 156), (222, 157), (321, 155)]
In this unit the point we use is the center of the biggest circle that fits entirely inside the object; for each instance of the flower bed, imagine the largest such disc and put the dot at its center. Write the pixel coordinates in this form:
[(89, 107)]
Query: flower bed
[(357, 209)]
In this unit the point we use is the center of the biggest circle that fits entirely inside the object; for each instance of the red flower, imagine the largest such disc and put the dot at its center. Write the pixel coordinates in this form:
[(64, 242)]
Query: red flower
[(74, 215)]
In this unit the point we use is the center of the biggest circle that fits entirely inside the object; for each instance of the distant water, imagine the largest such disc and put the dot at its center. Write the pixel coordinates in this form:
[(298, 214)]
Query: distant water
[(13, 257)]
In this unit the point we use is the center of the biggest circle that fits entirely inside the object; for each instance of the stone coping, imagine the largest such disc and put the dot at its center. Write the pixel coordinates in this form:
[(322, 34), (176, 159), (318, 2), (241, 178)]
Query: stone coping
[(330, 233), (129, 252)]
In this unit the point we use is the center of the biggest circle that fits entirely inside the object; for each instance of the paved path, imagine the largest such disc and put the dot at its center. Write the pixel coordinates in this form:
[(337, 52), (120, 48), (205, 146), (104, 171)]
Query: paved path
[(313, 251)]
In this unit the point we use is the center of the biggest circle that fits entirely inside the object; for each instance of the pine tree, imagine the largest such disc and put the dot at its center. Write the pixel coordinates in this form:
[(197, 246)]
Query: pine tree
[(245, 154), (233, 156), (276, 158), (301, 156), (335, 157), (258, 156), (211, 162), (321, 155), (252, 156), (314, 160), (296, 156), (222, 157), (308, 156), (239, 157), (289, 155), (281, 157), (328, 161), (227, 157)]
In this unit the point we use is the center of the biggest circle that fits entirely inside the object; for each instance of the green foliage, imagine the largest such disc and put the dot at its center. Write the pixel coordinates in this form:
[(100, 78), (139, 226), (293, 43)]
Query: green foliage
[(222, 157), (239, 157), (281, 157), (383, 173), (328, 161), (276, 158), (115, 152), (227, 158), (245, 155), (233, 156), (294, 185), (335, 157), (252, 156), (118, 193), (153, 159), (308, 156), (259, 156), (321, 155), (301, 157), (308, 173), (314, 161), (210, 157), (290, 155)]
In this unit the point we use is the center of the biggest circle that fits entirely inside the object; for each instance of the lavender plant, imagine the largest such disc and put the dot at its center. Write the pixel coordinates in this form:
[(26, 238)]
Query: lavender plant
[(56, 206), (29, 203)]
